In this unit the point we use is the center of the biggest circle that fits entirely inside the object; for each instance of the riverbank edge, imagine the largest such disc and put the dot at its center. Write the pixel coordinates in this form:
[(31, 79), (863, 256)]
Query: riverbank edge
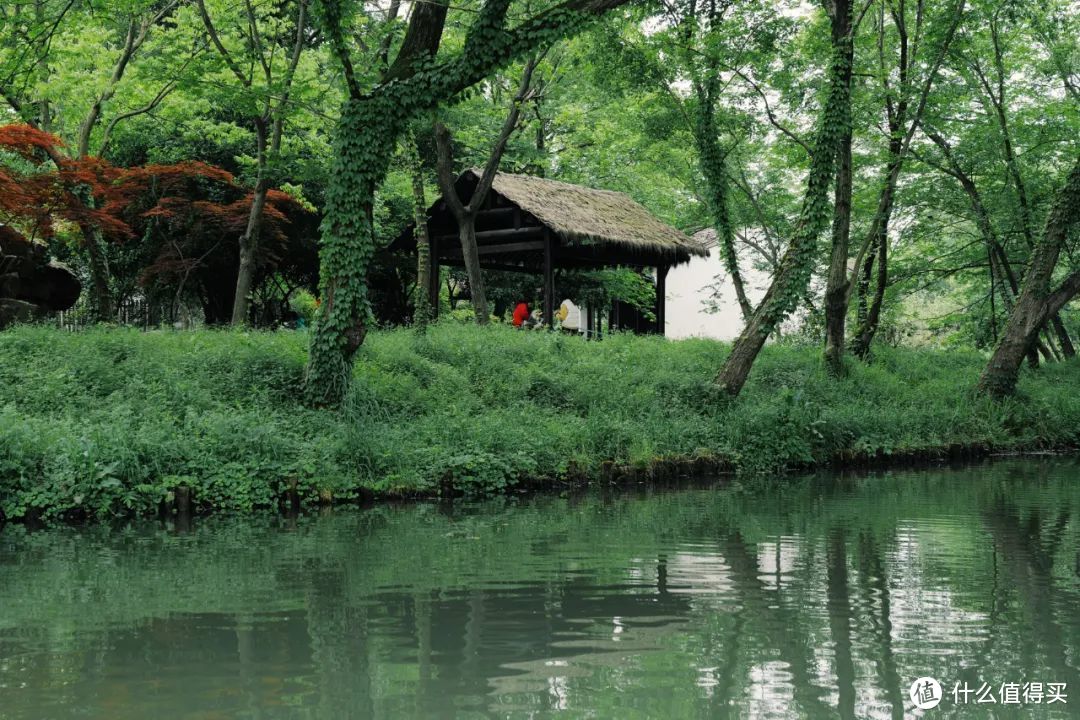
[(661, 473)]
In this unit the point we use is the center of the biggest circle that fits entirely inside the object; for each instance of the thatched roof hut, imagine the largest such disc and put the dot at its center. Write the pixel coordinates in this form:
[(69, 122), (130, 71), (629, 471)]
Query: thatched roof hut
[(586, 216), (532, 224), (610, 226)]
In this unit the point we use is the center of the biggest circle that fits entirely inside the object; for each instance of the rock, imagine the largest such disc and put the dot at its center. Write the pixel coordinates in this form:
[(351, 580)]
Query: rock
[(17, 311), (31, 284)]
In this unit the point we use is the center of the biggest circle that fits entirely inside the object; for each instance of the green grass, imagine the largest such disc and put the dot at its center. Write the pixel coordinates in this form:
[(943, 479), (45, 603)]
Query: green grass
[(110, 420)]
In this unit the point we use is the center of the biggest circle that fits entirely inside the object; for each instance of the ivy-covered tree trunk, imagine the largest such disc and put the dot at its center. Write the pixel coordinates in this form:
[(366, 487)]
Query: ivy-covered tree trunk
[(836, 287), (365, 139), (1037, 302), (714, 172), (797, 264), (422, 312)]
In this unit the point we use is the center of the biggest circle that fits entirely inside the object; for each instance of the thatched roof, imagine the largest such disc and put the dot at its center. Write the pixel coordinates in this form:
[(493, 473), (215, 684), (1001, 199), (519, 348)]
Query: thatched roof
[(584, 216)]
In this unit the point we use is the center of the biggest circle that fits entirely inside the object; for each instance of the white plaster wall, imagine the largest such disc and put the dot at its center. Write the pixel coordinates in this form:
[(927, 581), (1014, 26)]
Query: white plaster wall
[(687, 288)]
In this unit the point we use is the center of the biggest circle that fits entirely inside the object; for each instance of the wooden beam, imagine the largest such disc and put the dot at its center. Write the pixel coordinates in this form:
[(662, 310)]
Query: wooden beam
[(497, 213), (661, 298), (502, 267), (549, 282), (500, 249), (496, 236)]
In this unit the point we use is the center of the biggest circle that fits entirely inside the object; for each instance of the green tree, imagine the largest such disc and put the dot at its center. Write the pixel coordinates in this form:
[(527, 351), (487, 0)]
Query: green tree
[(367, 134)]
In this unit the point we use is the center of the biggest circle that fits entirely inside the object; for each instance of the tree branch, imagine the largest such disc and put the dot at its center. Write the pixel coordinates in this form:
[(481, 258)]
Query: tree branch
[(445, 173), (216, 39), (508, 127)]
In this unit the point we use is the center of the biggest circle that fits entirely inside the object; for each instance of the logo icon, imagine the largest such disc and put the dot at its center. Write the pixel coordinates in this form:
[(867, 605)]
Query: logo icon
[(925, 693)]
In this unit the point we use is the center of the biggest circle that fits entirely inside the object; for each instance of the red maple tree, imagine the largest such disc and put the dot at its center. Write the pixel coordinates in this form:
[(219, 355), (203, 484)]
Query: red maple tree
[(187, 216)]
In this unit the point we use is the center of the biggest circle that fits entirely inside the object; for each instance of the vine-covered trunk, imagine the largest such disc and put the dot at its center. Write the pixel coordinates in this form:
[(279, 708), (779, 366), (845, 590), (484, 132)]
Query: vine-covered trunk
[(836, 284), (867, 329), (422, 313), (471, 254), (365, 139), (1036, 302), (836, 288), (793, 276), (714, 172)]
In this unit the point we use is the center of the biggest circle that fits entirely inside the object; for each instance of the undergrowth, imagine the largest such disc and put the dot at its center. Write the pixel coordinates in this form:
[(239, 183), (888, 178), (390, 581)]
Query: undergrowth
[(110, 421)]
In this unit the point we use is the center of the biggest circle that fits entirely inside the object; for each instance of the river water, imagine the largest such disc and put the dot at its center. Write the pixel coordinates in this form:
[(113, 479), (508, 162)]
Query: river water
[(819, 597)]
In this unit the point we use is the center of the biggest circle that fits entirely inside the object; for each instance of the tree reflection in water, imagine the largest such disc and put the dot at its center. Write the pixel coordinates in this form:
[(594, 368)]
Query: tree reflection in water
[(822, 597)]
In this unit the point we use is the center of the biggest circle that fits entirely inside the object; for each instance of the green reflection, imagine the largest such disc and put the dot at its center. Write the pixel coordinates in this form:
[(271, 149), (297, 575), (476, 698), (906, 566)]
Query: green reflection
[(824, 597)]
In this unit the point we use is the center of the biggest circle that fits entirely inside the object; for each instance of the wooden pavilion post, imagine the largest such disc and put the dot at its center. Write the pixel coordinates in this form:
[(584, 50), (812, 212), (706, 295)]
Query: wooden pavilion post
[(549, 282), (661, 298)]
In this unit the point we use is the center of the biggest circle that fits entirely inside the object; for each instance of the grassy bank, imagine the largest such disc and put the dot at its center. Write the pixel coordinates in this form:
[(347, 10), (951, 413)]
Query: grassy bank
[(111, 421)]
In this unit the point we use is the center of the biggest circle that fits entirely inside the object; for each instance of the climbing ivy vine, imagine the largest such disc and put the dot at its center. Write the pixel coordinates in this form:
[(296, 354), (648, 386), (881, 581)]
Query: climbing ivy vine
[(714, 171), (798, 262)]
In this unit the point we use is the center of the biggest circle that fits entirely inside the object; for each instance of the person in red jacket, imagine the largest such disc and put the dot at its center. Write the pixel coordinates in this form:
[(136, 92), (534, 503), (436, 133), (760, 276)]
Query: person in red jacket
[(521, 314)]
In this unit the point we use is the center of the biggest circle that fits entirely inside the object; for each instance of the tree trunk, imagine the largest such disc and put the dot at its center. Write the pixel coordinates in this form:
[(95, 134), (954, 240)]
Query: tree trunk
[(836, 284), (364, 146), (868, 323), (789, 285), (1067, 348), (867, 330), (471, 254), (900, 134), (249, 245), (101, 308), (836, 288), (249, 241), (862, 289), (1036, 302), (422, 313)]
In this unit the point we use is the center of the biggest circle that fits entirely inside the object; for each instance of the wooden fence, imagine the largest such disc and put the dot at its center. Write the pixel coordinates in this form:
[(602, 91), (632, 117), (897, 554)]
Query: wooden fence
[(132, 312)]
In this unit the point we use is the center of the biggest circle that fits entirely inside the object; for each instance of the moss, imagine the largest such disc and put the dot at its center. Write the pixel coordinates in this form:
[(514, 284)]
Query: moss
[(113, 420)]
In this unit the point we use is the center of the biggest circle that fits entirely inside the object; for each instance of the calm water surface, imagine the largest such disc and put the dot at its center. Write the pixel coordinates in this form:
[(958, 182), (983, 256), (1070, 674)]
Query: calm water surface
[(823, 597)]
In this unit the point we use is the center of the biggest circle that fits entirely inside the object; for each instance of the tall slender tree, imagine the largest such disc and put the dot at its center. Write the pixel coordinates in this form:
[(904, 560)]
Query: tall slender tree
[(789, 284), (250, 49)]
